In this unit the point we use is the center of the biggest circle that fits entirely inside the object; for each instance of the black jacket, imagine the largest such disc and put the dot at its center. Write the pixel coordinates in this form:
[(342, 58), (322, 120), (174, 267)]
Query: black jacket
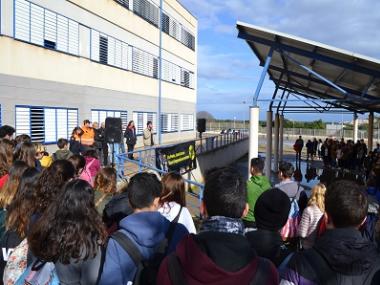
[(268, 244), (340, 256), (116, 209), (130, 135), (100, 138)]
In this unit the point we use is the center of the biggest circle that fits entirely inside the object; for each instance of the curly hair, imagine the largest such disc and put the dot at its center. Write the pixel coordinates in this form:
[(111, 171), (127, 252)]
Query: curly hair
[(50, 184), (19, 211), (6, 156), (105, 180), (10, 188), (70, 228)]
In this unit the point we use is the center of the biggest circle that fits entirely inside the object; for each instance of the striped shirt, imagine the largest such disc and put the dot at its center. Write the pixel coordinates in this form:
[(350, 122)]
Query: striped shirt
[(308, 226)]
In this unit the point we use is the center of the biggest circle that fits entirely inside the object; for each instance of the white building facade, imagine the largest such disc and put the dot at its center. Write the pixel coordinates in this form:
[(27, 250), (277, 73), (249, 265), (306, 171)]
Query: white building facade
[(64, 61)]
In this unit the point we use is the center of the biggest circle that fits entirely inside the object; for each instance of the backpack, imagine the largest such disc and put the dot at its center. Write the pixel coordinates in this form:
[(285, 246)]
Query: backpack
[(147, 270), (39, 273), (16, 264), (294, 217), (178, 278)]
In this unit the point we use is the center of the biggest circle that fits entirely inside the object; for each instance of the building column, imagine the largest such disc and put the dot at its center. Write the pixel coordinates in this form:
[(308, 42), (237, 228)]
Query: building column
[(268, 152), (356, 125), (370, 131), (281, 139), (276, 138), (254, 113)]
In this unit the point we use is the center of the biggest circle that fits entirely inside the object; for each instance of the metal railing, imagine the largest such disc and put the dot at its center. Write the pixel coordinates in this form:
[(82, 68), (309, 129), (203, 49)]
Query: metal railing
[(145, 159)]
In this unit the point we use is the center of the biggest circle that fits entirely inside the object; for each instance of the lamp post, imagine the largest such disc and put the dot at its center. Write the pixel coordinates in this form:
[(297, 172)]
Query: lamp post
[(160, 78)]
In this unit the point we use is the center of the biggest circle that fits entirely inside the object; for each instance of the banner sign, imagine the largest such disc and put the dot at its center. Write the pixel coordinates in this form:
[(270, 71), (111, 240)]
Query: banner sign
[(178, 158)]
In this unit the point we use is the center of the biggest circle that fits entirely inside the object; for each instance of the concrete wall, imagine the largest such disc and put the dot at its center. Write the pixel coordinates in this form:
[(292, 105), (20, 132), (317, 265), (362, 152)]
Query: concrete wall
[(220, 157)]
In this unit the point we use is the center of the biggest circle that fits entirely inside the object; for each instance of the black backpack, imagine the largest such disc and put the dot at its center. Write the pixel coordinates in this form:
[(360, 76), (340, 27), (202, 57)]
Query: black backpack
[(147, 270), (178, 278)]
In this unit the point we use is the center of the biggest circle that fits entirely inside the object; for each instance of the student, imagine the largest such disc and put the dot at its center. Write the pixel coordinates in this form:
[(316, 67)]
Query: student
[(27, 153), (117, 209), (91, 167), (75, 141), (341, 255), (105, 187), (70, 234), (63, 151), (7, 132), (311, 216), (18, 215), (145, 229), (6, 160), (173, 201), (271, 213), (79, 162), (256, 185), (42, 156), (9, 190), (219, 253), (49, 185)]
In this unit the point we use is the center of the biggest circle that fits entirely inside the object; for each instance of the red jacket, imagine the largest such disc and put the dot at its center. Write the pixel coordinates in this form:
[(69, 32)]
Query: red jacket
[(198, 268)]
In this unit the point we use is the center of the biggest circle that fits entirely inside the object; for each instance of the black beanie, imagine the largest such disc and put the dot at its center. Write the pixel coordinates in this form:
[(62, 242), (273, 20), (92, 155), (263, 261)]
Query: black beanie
[(272, 210)]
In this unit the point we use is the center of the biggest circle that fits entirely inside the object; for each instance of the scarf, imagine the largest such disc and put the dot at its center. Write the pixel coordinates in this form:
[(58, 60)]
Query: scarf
[(223, 224)]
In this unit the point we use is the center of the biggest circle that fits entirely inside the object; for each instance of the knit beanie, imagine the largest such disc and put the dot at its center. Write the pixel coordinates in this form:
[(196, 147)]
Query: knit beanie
[(272, 210)]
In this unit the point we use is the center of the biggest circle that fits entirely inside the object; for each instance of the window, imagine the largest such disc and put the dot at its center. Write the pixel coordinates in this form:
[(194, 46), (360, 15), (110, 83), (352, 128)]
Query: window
[(101, 115), (124, 3), (108, 50), (165, 23), (103, 50), (43, 27), (147, 10), (187, 39), (144, 63), (169, 123), (45, 124), (187, 122), (142, 118)]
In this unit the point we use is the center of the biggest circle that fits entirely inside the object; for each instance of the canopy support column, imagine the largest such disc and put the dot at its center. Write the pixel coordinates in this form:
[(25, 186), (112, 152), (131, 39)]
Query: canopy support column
[(370, 131), (276, 141), (268, 152), (254, 113), (281, 138), (355, 125)]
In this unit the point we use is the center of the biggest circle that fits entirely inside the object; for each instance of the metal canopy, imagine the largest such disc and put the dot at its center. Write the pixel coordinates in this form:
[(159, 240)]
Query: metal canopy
[(315, 70)]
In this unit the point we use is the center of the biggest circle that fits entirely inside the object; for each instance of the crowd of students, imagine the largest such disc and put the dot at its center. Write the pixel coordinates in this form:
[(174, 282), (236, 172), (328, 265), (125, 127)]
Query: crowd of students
[(69, 221)]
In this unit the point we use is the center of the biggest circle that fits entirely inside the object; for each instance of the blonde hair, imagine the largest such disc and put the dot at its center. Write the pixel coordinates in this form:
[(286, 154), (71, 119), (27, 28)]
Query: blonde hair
[(318, 196), (39, 147)]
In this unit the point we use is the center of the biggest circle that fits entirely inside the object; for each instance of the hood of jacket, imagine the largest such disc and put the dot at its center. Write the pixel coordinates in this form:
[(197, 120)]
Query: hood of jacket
[(221, 258), (346, 251), (147, 229), (261, 181), (63, 154)]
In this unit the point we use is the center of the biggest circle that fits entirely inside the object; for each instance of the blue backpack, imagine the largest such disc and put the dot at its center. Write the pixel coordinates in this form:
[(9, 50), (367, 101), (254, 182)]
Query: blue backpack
[(39, 273)]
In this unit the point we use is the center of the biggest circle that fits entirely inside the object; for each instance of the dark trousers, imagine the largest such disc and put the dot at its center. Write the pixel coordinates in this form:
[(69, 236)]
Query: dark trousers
[(130, 147)]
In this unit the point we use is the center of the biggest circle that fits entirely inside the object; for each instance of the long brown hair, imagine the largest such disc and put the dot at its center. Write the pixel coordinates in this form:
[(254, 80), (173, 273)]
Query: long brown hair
[(19, 211), (6, 156), (70, 228), (173, 189), (10, 188), (105, 182), (50, 184), (27, 153)]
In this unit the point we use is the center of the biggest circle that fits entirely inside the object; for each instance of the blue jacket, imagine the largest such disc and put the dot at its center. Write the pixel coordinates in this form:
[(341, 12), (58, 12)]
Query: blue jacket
[(147, 230)]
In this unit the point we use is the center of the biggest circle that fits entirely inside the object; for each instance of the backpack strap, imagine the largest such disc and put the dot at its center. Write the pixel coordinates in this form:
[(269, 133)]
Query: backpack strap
[(175, 270), (262, 272), (125, 242), (295, 196), (173, 224)]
